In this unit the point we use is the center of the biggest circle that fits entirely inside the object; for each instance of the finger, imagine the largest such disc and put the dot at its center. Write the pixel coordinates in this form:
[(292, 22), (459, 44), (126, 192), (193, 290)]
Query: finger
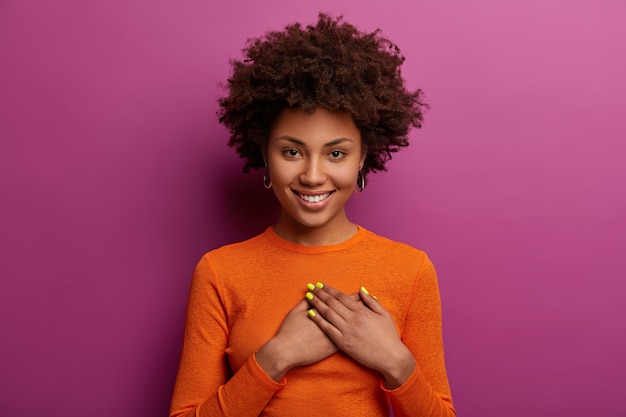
[(302, 306), (347, 301), (326, 305), (312, 287), (371, 302), (329, 330)]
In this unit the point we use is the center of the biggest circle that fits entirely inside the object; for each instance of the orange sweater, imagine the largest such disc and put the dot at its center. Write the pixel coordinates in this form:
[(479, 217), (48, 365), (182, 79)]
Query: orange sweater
[(239, 296)]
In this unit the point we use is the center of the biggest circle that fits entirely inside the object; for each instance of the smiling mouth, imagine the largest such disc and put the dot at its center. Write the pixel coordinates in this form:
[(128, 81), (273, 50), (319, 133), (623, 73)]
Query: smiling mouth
[(314, 198)]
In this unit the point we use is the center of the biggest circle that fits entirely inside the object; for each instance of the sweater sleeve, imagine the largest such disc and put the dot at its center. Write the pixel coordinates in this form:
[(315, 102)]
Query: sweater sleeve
[(204, 386), (426, 393)]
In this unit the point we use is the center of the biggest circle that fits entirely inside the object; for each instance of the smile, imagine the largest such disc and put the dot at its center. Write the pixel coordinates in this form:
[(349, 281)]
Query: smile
[(314, 198)]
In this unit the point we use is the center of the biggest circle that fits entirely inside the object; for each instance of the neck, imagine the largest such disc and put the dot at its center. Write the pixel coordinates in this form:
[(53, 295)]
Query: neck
[(315, 236)]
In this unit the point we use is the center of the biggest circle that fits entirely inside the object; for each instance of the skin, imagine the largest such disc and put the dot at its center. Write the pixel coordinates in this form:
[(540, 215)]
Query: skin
[(363, 329), (318, 156)]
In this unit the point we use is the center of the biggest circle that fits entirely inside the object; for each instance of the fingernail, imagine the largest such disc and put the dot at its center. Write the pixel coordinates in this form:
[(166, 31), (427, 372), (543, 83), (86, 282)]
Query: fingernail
[(365, 290), (310, 286), (374, 297), (309, 295), (311, 313), (320, 285)]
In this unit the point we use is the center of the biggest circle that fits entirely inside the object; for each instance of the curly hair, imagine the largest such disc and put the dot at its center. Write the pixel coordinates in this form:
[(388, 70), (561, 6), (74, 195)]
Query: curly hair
[(330, 65)]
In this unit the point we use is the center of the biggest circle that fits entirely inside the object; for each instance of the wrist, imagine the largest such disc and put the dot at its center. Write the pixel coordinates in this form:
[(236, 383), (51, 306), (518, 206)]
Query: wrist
[(271, 361), (399, 369)]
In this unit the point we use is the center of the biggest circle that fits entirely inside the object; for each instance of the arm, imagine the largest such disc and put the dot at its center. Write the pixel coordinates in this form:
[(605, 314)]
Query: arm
[(412, 366), (427, 389), (203, 386), (298, 342), (363, 329)]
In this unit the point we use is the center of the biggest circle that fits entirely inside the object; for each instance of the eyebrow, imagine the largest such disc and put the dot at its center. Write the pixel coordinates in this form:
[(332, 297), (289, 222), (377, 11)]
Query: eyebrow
[(301, 143)]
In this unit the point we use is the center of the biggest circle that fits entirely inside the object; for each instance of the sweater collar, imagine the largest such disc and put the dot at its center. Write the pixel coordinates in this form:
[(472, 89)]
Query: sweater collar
[(273, 237)]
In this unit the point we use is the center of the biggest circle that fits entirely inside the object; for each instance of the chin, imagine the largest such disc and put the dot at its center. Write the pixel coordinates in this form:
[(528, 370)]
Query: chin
[(310, 223)]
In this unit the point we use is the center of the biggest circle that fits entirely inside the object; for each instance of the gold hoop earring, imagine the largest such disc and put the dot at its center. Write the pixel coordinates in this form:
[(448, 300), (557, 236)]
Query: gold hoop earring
[(360, 182), (267, 182)]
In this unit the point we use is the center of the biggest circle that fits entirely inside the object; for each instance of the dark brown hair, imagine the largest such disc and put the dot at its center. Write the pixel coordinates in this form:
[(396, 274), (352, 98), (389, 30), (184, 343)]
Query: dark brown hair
[(330, 65)]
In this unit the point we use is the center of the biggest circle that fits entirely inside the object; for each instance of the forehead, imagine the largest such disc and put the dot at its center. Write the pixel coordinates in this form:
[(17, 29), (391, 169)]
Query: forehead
[(319, 127)]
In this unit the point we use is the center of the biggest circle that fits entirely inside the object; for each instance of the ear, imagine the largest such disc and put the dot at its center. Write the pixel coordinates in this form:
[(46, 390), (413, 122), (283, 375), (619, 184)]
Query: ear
[(264, 151), (363, 156)]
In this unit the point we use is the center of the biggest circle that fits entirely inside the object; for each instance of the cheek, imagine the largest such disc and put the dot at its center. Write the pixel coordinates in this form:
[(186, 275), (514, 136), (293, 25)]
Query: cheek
[(346, 177), (276, 166), (281, 174)]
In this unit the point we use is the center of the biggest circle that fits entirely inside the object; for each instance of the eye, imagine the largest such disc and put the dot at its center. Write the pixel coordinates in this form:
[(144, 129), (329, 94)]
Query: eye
[(337, 154), (291, 153)]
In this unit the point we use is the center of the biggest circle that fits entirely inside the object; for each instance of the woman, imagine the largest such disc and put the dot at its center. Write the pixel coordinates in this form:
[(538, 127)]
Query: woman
[(283, 324)]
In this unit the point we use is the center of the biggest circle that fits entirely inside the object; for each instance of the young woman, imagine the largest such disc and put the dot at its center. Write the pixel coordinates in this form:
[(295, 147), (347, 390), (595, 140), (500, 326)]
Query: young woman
[(316, 316)]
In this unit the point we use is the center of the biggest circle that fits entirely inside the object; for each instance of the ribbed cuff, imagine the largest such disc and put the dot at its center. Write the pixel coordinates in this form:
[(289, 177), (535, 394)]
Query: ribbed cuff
[(402, 388), (264, 378)]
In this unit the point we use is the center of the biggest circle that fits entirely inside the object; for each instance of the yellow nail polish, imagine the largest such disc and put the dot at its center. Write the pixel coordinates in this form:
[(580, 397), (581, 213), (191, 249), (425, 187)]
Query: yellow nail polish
[(311, 313), (320, 285), (374, 297), (309, 295), (310, 286), (365, 290)]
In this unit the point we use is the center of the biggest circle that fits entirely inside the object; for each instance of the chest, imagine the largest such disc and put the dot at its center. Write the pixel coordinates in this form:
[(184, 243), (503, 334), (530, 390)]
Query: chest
[(256, 307)]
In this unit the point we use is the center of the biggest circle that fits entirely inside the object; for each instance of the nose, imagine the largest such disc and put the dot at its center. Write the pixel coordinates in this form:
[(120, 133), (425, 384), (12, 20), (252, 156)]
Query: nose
[(313, 172)]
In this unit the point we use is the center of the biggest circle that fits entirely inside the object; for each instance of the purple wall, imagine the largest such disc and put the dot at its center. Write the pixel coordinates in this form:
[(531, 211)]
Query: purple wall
[(115, 178)]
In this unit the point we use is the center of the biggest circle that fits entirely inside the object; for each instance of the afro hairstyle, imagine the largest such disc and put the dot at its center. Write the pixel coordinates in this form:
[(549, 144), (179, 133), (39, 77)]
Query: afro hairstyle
[(330, 65)]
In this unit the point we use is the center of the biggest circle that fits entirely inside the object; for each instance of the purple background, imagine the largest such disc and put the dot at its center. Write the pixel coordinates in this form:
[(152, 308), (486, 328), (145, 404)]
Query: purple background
[(115, 178)]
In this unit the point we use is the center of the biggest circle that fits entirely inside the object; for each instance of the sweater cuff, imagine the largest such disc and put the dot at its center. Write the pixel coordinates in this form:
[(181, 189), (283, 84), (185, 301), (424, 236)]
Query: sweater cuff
[(262, 377), (402, 388), (246, 394)]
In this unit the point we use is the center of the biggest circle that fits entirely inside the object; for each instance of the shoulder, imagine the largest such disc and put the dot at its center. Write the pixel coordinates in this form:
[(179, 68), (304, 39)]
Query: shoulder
[(238, 251), (398, 272), (235, 260), (392, 257), (391, 247)]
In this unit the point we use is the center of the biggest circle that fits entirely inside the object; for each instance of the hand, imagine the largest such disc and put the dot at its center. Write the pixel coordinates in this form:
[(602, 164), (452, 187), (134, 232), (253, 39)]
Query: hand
[(298, 342), (364, 330)]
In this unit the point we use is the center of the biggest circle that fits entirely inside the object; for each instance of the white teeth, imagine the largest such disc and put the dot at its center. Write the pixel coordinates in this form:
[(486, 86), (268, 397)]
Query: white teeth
[(314, 198)]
